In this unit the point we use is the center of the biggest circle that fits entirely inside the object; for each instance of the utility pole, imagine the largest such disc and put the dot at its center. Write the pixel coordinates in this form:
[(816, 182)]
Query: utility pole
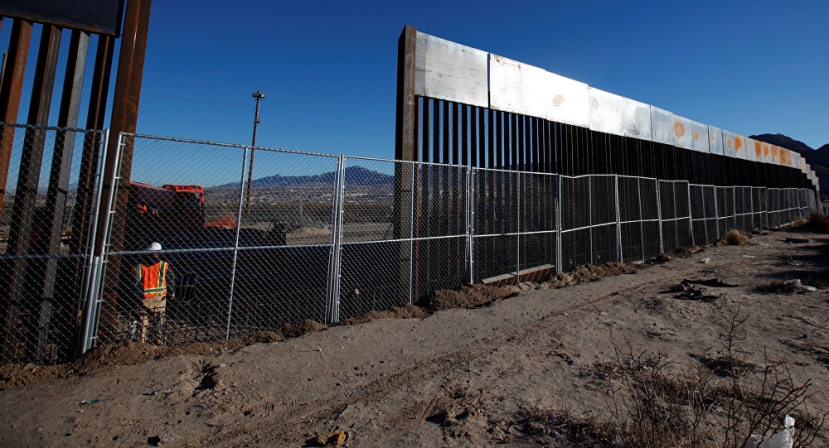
[(258, 95)]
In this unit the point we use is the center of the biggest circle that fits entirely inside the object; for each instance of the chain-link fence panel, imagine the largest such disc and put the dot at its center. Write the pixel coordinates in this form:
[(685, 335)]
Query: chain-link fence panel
[(496, 224), (379, 203), (698, 222), (603, 218), (286, 235), (651, 228), (48, 206), (440, 228), (759, 208), (630, 215), (576, 234), (725, 209), (537, 225), (177, 206)]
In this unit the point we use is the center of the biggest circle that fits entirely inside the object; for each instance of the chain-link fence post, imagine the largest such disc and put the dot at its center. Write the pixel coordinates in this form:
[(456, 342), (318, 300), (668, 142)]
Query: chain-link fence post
[(236, 241), (619, 256), (558, 223), (690, 215), (332, 306), (90, 300), (415, 184), (641, 218), (734, 204), (659, 216), (470, 225), (716, 212), (590, 208)]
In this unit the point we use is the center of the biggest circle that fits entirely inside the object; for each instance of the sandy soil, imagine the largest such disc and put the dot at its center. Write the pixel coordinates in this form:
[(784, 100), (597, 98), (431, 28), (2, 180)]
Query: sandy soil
[(466, 376)]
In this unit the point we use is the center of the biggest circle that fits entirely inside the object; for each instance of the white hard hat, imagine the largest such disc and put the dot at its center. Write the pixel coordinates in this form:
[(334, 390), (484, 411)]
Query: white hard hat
[(155, 247)]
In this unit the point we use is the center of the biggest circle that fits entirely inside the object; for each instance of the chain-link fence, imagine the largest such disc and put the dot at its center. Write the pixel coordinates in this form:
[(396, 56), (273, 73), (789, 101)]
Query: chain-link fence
[(50, 192), (254, 238)]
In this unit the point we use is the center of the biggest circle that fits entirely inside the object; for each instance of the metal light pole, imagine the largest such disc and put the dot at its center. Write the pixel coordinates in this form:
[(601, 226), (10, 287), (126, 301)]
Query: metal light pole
[(258, 95)]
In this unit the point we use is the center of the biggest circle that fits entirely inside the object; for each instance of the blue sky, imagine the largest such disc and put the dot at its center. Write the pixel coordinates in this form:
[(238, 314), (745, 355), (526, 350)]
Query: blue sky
[(328, 68)]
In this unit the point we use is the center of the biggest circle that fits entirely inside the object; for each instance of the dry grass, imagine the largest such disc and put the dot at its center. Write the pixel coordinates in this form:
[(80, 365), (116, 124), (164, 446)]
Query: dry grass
[(735, 237), (656, 403)]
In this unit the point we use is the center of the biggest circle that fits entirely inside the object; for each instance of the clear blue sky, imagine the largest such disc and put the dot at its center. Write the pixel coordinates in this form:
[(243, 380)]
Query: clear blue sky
[(328, 68)]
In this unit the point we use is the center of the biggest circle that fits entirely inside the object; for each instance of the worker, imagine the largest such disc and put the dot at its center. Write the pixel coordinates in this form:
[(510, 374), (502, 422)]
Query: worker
[(154, 284)]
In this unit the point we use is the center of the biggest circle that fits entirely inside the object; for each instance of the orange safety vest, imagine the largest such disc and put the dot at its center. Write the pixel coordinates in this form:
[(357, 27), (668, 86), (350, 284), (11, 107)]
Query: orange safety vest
[(151, 281)]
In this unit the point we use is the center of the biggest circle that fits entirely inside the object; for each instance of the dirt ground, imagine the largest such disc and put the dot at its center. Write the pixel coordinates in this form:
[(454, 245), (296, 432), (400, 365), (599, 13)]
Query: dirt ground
[(468, 368)]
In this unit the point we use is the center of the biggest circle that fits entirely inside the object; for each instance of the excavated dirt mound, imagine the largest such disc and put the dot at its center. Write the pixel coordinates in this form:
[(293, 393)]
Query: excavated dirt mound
[(590, 272), (466, 297), (297, 330), (111, 355), (398, 312)]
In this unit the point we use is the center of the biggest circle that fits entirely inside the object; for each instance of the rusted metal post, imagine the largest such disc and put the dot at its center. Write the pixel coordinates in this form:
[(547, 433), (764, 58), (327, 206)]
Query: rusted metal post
[(28, 180), (124, 119), (58, 189), (10, 95), (405, 149), (89, 159)]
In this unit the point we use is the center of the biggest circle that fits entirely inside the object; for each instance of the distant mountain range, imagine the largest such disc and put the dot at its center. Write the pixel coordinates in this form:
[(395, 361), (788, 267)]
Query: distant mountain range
[(818, 159), (354, 176)]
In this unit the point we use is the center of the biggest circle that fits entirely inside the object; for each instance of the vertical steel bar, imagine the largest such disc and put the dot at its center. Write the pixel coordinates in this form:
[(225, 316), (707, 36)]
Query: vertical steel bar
[(10, 90), (619, 254), (236, 241)]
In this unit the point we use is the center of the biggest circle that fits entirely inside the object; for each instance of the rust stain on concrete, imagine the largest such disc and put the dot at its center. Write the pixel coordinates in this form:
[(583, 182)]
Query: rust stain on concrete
[(679, 129)]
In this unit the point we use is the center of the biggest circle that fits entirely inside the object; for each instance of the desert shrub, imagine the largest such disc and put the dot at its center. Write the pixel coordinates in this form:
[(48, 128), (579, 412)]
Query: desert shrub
[(735, 237)]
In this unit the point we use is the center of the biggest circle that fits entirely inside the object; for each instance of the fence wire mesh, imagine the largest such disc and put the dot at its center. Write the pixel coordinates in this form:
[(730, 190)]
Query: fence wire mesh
[(50, 193), (254, 238)]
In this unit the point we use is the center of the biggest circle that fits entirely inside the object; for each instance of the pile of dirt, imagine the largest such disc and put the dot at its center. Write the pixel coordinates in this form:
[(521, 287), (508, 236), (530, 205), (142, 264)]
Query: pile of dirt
[(590, 272), (398, 312), (110, 355), (465, 297), (301, 328)]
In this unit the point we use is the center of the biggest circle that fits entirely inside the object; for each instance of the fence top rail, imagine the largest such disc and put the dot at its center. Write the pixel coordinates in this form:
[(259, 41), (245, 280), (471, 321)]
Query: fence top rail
[(225, 145), (673, 181), (587, 175), (502, 170), (702, 185), (404, 162), (626, 176), (50, 128)]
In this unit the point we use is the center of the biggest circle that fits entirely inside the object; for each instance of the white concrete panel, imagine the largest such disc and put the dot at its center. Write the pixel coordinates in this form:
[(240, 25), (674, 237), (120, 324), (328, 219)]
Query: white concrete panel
[(637, 120), (699, 135), (607, 112), (751, 144), (568, 101), (448, 71), (683, 132), (715, 144), (518, 88), (662, 126)]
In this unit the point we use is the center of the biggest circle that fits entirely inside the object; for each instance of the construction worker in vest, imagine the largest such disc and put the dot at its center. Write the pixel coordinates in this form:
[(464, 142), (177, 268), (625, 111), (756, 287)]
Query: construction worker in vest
[(154, 284)]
